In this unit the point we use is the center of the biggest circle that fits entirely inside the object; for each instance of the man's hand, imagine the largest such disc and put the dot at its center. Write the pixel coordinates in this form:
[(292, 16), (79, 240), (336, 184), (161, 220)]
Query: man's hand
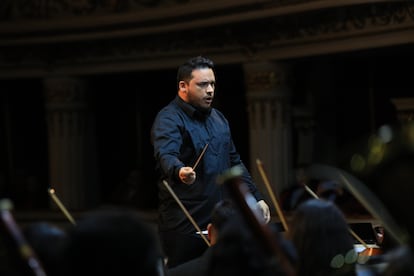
[(264, 208), (187, 175)]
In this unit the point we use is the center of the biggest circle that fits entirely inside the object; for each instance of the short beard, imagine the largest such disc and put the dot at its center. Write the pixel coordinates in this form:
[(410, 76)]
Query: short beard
[(204, 110)]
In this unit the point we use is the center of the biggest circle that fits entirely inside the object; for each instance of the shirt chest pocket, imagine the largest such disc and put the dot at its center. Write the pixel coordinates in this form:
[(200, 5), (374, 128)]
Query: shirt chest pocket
[(216, 134), (218, 143)]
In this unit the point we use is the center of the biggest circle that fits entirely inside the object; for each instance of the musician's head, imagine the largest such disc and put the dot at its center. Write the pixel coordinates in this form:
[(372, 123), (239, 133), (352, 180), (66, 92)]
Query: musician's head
[(320, 234), (238, 251), (222, 212), (112, 242)]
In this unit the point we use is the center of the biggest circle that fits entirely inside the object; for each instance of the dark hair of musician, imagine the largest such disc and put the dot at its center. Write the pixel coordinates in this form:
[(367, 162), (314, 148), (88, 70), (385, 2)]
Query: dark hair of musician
[(320, 234), (238, 252), (223, 211), (114, 241)]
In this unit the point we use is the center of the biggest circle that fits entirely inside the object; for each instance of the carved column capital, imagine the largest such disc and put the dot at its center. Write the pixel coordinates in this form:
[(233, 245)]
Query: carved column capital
[(64, 91), (266, 79)]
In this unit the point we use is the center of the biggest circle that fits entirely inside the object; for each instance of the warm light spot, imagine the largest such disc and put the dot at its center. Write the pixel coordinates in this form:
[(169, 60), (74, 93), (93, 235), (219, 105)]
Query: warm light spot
[(375, 143), (26, 250), (363, 258), (376, 150), (375, 157)]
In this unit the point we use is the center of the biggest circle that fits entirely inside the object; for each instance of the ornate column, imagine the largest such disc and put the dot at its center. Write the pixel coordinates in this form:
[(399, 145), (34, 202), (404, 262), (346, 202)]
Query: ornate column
[(71, 159), (269, 113)]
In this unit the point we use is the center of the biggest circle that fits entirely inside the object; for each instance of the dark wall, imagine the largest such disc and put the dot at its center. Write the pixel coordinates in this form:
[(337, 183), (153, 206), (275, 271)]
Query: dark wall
[(351, 93), (23, 144)]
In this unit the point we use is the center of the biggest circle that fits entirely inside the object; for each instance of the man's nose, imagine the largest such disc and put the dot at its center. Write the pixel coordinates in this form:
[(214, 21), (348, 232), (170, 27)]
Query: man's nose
[(210, 89)]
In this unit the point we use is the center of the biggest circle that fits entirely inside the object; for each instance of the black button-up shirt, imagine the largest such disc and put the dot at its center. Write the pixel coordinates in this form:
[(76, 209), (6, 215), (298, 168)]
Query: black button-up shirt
[(179, 134)]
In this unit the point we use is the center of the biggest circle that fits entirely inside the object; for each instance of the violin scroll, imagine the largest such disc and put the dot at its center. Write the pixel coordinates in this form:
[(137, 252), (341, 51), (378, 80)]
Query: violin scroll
[(247, 203), (23, 247)]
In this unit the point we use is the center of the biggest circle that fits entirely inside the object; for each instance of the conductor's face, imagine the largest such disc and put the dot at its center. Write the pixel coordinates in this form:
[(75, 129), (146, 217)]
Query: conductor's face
[(199, 91)]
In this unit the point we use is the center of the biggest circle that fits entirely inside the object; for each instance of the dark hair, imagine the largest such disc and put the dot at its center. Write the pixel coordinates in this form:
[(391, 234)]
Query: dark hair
[(112, 242), (223, 211), (238, 252), (320, 233), (198, 62)]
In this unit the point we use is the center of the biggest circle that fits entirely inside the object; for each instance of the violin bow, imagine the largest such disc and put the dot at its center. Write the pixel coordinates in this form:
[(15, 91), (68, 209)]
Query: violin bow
[(272, 194), (365, 196), (355, 235), (62, 207), (187, 214), (15, 232)]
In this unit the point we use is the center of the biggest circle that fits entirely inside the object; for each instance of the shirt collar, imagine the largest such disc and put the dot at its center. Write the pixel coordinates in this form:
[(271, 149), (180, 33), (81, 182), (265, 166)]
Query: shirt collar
[(191, 110)]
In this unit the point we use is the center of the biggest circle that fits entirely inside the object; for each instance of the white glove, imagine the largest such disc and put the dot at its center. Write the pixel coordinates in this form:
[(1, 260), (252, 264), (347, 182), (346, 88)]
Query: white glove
[(264, 209)]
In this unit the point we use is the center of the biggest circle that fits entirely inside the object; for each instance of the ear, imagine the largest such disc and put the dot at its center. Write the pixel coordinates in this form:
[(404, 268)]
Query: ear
[(209, 230), (182, 86)]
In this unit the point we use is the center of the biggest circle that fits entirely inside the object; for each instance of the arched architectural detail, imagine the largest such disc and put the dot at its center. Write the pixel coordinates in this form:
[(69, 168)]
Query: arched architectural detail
[(50, 38)]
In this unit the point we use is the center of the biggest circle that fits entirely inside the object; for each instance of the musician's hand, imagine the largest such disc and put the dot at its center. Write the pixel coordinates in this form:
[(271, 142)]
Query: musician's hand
[(187, 175), (264, 208)]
